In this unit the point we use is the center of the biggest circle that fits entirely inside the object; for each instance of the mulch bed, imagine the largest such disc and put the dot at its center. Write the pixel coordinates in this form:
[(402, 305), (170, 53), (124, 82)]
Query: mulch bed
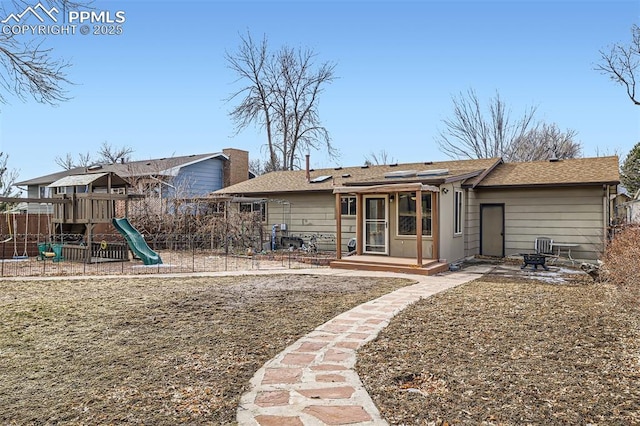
[(157, 351), (507, 351)]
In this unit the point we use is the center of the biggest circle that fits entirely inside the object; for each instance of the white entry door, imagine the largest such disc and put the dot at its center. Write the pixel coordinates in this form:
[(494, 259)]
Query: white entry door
[(376, 224)]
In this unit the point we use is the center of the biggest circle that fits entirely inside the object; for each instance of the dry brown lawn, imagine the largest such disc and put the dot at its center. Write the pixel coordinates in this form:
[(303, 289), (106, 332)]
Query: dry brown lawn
[(156, 351), (167, 351), (503, 351)]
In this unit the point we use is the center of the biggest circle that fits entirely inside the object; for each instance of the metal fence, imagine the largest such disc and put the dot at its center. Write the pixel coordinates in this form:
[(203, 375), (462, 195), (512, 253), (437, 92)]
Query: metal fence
[(33, 255)]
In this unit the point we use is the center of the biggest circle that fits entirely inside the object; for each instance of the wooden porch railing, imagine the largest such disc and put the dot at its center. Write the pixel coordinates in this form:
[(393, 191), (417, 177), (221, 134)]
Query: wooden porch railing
[(86, 208)]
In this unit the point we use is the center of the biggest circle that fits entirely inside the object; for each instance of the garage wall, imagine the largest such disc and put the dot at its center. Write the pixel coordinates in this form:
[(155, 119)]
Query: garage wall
[(568, 215)]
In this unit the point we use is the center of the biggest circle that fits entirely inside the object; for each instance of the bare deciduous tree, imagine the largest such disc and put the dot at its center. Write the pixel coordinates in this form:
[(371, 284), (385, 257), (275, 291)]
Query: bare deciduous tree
[(544, 142), (281, 94), (382, 157), (108, 154), (472, 133), (8, 178), (256, 166), (27, 69), (68, 162), (621, 63)]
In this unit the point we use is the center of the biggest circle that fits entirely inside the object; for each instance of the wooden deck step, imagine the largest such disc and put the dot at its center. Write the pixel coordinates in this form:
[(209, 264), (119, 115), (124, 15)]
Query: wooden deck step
[(430, 267)]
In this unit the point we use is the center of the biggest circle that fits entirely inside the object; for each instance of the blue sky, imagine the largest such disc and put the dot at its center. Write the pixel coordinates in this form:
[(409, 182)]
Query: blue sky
[(160, 86)]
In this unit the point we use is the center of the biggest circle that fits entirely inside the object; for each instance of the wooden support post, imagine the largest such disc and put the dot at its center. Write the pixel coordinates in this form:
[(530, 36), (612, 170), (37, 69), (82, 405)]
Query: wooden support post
[(359, 224), (338, 227), (419, 228), (435, 226), (89, 234)]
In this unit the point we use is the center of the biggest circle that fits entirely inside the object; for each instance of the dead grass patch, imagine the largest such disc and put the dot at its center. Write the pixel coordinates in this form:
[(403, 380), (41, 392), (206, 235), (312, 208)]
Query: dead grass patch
[(501, 351), (161, 351)]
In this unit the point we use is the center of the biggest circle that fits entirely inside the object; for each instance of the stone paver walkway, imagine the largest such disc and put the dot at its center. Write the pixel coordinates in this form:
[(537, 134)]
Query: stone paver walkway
[(313, 381)]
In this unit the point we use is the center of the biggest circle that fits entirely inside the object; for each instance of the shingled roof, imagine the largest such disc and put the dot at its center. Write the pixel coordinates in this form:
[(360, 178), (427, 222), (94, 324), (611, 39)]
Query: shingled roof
[(158, 167), (571, 172), (325, 180)]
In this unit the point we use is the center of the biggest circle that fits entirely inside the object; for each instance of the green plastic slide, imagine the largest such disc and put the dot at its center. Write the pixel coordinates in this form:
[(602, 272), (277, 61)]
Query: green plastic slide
[(136, 241)]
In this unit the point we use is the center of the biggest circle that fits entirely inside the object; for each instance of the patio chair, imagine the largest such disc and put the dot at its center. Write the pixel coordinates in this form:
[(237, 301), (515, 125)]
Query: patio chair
[(543, 245)]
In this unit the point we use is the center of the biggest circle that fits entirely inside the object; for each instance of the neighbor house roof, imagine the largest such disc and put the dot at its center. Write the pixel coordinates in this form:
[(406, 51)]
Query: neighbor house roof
[(577, 171), (327, 179), (157, 167)]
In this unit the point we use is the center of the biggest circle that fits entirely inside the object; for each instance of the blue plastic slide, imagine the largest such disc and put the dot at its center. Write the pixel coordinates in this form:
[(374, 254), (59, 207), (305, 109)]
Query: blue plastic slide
[(136, 242)]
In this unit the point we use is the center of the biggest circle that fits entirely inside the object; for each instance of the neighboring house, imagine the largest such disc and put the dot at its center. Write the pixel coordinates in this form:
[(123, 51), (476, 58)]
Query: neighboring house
[(468, 207), (620, 204), (183, 176), (632, 209)]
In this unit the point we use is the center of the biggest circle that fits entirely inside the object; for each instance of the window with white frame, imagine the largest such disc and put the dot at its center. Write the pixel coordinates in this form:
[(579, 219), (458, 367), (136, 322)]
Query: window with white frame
[(44, 191), (458, 209), (348, 206), (407, 213)]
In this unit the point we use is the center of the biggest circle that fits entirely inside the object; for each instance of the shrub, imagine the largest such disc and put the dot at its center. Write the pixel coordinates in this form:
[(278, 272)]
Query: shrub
[(622, 260), (622, 257)]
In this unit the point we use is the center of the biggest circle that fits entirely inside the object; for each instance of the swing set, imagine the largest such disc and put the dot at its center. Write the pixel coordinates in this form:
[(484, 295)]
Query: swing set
[(13, 236), (88, 200), (45, 250)]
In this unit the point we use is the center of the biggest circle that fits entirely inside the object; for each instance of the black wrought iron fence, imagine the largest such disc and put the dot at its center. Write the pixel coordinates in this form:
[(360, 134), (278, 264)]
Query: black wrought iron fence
[(36, 255)]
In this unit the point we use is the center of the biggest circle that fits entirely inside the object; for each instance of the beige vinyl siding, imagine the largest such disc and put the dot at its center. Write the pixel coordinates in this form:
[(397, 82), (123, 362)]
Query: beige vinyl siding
[(310, 214), (472, 224), (566, 215), (452, 245)]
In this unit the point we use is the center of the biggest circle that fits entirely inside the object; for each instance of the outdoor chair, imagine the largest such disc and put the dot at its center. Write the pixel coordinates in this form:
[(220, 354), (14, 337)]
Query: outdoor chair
[(544, 246)]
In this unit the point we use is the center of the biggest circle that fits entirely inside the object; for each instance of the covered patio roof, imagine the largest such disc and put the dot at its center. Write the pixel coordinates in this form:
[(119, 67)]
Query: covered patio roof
[(386, 188)]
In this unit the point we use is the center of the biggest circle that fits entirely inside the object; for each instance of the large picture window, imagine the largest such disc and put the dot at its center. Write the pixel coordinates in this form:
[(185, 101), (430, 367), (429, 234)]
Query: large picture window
[(457, 212), (407, 213)]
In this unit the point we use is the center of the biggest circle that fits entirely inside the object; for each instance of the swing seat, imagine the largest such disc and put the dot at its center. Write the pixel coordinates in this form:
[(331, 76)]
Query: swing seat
[(50, 251), (42, 249)]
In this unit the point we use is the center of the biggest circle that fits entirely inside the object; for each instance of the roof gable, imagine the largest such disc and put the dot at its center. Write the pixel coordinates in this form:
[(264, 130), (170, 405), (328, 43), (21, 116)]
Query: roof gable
[(169, 166)]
